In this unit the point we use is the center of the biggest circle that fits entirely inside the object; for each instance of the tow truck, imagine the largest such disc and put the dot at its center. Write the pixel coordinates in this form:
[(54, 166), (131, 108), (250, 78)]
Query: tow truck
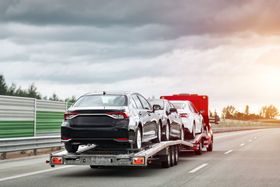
[(165, 153)]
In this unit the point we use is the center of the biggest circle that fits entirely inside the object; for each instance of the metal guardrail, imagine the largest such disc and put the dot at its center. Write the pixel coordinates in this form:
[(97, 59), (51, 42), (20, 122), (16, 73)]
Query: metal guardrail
[(31, 143)]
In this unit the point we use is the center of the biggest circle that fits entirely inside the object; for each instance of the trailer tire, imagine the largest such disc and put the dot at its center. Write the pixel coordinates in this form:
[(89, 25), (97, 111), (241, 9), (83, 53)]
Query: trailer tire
[(176, 155), (210, 146), (199, 151), (167, 162), (172, 157), (70, 147)]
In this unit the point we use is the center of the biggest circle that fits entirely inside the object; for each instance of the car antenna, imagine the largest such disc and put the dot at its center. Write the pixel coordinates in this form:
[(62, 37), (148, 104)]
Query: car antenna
[(104, 93)]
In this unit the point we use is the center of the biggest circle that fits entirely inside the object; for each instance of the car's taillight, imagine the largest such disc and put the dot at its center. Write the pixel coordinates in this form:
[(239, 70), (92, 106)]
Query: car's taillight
[(70, 115), (118, 115), (184, 115)]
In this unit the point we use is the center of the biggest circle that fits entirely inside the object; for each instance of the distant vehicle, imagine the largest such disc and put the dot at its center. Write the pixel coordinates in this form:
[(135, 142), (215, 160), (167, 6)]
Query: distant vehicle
[(191, 118), (170, 120), (110, 119), (193, 109)]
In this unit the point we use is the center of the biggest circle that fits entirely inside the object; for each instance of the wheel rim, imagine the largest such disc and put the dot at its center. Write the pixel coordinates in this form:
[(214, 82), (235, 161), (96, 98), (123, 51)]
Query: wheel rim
[(176, 155), (139, 140), (167, 132), (159, 133)]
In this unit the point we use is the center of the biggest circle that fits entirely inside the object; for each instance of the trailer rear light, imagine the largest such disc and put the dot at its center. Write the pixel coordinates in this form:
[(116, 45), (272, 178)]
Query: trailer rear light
[(118, 115), (138, 161), (184, 115), (57, 160), (70, 115), (65, 139)]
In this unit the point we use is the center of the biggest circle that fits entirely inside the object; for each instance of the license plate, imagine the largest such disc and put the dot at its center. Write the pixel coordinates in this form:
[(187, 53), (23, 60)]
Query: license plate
[(101, 160)]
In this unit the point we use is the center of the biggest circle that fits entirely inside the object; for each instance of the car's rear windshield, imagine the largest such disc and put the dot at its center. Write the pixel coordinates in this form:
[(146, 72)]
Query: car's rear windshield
[(179, 105), (101, 100)]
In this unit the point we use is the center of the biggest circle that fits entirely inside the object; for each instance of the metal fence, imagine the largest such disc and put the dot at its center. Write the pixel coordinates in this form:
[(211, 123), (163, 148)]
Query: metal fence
[(26, 117)]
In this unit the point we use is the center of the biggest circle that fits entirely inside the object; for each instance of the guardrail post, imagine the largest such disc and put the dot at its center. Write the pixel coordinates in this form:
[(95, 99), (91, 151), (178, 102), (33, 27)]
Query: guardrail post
[(35, 116)]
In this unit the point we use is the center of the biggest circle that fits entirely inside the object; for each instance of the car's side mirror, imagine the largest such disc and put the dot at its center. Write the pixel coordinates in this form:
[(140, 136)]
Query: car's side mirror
[(173, 110), (156, 107)]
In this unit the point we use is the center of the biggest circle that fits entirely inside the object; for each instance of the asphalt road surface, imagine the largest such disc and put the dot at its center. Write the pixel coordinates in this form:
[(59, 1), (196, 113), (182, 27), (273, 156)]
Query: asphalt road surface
[(247, 158)]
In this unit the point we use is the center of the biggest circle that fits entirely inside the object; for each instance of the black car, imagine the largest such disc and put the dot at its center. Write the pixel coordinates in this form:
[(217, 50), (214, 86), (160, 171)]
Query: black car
[(169, 119), (110, 119)]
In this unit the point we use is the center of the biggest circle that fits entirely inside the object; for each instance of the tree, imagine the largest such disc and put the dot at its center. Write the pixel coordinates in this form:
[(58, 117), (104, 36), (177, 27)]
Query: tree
[(32, 92), (228, 112), (269, 112), (54, 97), (3, 86), (247, 110)]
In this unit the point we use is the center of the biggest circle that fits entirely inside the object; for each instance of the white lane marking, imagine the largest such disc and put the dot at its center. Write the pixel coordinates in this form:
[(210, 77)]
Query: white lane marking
[(33, 173), (229, 151), (241, 145), (198, 168), (250, 140)]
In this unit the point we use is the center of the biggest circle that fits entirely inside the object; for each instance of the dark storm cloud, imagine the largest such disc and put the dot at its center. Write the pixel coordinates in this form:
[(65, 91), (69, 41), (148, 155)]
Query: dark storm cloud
[(181, 17)]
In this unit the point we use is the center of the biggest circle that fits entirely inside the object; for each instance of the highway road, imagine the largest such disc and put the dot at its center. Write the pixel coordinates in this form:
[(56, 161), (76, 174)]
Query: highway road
[(247, 158)]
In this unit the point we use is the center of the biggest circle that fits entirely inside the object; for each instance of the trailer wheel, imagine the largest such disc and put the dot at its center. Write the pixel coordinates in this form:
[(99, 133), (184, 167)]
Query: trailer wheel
[(172, 157), (176, 155), (210, 147), (70, 147), (166, 163), (199, 150)]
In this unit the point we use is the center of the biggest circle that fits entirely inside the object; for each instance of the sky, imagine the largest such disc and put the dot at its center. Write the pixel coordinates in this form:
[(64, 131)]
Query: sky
[(228, 50)]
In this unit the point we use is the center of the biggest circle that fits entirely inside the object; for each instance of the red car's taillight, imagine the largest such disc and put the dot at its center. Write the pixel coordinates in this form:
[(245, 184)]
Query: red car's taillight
[(70, 115), (184, 115), (118, 115)]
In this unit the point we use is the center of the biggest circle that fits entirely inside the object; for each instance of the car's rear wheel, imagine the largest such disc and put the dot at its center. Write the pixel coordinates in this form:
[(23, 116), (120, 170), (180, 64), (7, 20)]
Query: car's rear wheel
[(137, 144), (158, 139), (70, 147), (167, 133)]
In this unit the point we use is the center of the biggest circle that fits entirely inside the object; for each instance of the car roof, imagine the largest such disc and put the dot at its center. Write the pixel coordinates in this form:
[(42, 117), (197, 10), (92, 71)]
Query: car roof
[(110, 92)]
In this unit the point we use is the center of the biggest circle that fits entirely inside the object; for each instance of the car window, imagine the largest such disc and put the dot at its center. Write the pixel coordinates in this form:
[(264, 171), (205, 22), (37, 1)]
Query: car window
[(144, 102), (137, 102), (168, 106), (101, 100), (133, 103), (191, 108)]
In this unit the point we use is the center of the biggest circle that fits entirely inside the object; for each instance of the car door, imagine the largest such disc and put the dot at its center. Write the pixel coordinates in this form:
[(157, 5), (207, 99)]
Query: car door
[(197, 117), (175, 120), (150, 126)]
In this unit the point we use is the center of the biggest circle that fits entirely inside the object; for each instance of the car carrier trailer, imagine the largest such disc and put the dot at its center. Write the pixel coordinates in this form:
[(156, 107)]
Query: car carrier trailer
[(166, 153)]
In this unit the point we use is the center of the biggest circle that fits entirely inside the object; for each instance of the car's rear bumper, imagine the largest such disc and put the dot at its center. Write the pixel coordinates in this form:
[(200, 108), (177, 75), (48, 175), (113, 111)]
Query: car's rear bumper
[(106, 135)]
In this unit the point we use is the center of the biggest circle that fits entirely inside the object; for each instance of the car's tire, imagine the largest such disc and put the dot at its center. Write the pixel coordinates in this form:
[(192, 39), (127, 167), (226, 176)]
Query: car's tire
[(137, 144), (172, 157), (70, 147), (176, 155), (193, 133), (166, 137), (182, 135), (159, 133)]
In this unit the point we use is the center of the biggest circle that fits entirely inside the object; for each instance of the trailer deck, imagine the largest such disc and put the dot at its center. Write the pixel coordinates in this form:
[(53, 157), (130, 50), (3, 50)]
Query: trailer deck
[(165, 152)]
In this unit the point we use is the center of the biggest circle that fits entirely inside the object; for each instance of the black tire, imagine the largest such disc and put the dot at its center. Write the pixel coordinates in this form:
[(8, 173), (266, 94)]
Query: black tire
[(137, 144), (193, 133), (159, 133), (172, 158), (167, 159), (70, 147), (210, 147), (182, 135), (199, 151), (166, 137), (176, 155)]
